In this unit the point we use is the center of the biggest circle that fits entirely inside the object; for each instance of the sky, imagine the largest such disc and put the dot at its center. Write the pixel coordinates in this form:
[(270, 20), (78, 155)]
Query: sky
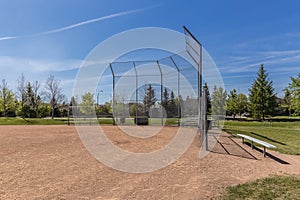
[(42, 38)]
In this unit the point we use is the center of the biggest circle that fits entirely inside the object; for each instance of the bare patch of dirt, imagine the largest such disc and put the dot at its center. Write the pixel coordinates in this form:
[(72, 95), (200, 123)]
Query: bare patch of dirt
[(50, 162)]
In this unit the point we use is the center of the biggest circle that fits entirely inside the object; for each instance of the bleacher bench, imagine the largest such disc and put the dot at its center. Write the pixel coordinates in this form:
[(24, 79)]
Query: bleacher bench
[(264, 144)]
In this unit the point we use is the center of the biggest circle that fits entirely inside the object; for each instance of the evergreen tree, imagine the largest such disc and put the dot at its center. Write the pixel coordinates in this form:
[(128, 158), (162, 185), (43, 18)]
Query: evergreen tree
[(172, 107), (262, 97), (149, 99), (206, 88), (294, 89), (165, 100), (28, 107), (36, 97)]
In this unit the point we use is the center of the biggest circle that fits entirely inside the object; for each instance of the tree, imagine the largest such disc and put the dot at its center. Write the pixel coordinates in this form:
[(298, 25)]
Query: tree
[(181, 105), (21, 92), (236, 103), (32, 100), (165, 100), (87, 106), (36, 97), (242, 104), (208, 100), (53, 93), (169, 103), (28, 110), (262, 97), (149, 99), (218, 101), (8, 103), (294, 89), (286, 102), (232, 103), (172, 107)]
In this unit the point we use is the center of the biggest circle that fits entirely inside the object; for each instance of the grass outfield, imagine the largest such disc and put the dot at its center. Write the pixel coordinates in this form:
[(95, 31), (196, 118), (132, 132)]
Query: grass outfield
[(62, 121), (46, 121), (275, 187), (31, 121), (284, 135)]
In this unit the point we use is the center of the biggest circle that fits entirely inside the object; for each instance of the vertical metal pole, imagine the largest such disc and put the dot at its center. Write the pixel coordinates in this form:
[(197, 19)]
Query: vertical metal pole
[(161, 90), (68, 115), (136, 93), (200, 86), (205, 124), (113, 103), (178, 91)]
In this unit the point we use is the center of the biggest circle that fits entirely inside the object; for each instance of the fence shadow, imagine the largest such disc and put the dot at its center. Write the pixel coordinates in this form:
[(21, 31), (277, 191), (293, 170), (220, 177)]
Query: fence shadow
[(225, 145)]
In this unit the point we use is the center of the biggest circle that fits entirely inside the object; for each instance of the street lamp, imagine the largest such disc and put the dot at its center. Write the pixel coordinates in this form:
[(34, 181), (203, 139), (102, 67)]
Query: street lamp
[(98, 97)]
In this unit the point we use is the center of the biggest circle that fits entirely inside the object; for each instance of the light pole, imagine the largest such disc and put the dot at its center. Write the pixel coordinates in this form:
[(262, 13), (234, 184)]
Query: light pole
[(98, 97)]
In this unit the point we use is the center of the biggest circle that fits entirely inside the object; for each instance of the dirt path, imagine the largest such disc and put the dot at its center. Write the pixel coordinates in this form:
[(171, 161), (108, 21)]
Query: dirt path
[(50, 162)]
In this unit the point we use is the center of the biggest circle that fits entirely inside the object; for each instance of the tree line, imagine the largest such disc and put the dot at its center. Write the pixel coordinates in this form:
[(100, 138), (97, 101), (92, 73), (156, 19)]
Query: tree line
[(262, 101), (31, 100)]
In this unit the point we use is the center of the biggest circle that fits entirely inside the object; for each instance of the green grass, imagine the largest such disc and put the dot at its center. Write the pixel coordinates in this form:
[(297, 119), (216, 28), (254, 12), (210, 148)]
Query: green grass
[(284, 135), (79, 121), (274, 187), (31, 121)]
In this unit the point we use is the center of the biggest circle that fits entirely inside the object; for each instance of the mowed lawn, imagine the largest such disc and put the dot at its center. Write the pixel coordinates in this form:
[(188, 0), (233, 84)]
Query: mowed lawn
[(274, 187), (31, 121), (284, 135)]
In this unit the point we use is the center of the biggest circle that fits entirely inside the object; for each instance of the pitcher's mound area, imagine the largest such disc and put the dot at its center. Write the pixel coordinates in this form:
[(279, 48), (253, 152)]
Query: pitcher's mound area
[(50, 162)]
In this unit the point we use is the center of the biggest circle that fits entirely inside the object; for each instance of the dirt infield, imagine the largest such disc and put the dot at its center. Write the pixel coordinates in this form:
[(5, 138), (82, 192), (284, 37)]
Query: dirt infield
[(50, 162)]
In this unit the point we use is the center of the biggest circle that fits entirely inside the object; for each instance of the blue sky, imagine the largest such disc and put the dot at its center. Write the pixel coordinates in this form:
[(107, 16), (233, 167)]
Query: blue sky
[(40, 38)]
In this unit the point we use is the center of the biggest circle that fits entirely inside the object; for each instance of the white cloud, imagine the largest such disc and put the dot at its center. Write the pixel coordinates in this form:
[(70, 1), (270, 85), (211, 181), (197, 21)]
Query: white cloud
[(35, 65), (293, 34), (270, 58), (12, 67)]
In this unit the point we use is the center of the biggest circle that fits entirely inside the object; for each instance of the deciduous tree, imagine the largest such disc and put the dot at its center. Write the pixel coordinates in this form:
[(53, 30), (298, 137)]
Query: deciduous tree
[(53, 93), (8, 100), (87, 105)]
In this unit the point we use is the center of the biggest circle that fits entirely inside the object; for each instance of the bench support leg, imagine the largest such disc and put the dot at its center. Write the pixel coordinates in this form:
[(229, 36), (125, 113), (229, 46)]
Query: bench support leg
[(243, 141), (251, 144), (264, 152)]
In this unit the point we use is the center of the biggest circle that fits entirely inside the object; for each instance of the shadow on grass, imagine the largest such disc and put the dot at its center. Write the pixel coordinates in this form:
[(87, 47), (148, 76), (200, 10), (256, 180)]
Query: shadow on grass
[(267, 138), (234, 132)]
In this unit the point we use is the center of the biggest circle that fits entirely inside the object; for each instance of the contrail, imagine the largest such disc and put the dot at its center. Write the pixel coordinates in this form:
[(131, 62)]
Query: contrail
[(7, 38), (91, 21), (76, 25)]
